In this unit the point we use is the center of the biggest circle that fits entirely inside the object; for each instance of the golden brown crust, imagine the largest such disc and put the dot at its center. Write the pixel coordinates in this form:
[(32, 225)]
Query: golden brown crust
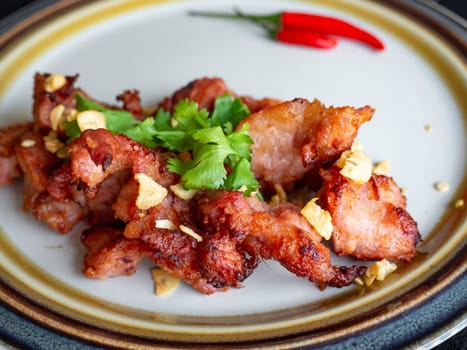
[(110, 254), (298, 137), (9, 137), (259, 233), (202, 91), (370, 220)]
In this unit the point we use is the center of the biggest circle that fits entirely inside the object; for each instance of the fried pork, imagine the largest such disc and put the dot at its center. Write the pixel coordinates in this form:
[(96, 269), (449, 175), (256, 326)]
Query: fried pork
[(370, 220), (213, 240), (298, 137)]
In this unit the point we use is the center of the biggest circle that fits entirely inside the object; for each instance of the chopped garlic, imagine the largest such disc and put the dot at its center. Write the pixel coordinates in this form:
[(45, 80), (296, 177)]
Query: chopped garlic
[(56, 116), (356, 146), (243, 189), (165, 224), (52, 143), (164, 282), (70, 114), (359, 281), (62, 153), (442, 186), (54, 82), (173, 122), (378, 271), (91, 120), (190, 232), (181, 192), (319, 218), (27, 143), (381, 168), (282, 196), (355, 165), (459, 203), (274, 200), (150, 193)]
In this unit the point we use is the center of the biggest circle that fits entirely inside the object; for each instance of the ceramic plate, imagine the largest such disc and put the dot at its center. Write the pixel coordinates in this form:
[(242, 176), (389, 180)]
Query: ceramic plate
[(417, 86)]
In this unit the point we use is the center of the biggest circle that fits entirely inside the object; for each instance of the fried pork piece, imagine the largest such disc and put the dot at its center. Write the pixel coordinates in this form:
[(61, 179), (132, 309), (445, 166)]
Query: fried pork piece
[(9, 137), (370, 220), (51, 193), (45, 101), (224, 259), (261, 233), (132, 103), (110, 253), (105, 164), (255, 105), (35, 161), (178, 253), (100, 207), (203, 91), (61, 216), (298, 137), (171, 248), (97, 154), (38, 165)]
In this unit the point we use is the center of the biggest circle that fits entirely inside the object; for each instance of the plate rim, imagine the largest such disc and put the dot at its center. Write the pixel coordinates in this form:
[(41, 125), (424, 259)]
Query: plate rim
[(446, 274)]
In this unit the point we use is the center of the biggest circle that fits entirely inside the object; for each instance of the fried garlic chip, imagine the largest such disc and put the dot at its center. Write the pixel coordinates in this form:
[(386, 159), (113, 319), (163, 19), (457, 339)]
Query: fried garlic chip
[(164, 282)]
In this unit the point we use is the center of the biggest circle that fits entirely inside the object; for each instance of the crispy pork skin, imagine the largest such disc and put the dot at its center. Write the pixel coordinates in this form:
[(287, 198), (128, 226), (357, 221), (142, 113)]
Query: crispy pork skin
[(202, 91), (259, 233), (370, 220), (9, 137), (297, 137), (111, 254)]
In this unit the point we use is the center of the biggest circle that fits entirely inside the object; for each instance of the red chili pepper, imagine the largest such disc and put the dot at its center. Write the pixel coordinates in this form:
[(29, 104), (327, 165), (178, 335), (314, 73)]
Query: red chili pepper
[(304, 22), (300, 37), (330, 26)]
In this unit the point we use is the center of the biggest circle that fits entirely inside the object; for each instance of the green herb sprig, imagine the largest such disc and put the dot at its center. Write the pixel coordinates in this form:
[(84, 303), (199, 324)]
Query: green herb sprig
[(221, 155)]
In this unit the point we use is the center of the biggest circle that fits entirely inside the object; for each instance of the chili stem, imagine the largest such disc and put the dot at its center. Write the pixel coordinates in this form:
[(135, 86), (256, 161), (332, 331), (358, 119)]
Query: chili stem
[(268, 22), (273, 18)]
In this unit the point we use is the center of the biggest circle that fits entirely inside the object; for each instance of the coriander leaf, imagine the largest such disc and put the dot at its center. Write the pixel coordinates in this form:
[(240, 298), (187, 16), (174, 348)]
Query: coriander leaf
[(174, 140), (175, 165), (188, 116), (240, 141), (208, 169), (152, 136), (72, 130), (228, 112), (83, 104), (118, 121), (213, 135), (241, 176), (143, 133), (162, 120), (211, 139)]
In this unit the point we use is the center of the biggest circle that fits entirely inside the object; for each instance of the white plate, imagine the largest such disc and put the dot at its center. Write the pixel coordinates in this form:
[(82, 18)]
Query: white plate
[(155, 47)]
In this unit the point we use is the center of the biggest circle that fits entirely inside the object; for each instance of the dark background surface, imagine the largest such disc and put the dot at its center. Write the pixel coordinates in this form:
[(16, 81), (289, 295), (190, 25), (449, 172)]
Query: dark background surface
[(458, 342), (457, 6)]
